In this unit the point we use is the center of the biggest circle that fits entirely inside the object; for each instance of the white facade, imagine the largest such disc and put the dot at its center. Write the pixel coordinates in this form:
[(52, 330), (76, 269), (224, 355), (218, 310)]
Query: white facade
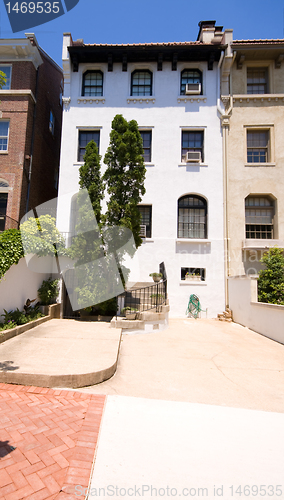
[(167, 114)]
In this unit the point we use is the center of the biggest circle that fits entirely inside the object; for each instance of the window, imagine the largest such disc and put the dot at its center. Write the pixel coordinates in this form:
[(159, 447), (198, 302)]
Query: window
[(192, 141), (92, 83), (51, 122), (258, 146), (4, 132), (190, 77), (192, 217), (3, 208), (259, 214), (193, 271), (7, 71), (257, 81), (85, 136), (147, 142), (146, 220), (141, 83)]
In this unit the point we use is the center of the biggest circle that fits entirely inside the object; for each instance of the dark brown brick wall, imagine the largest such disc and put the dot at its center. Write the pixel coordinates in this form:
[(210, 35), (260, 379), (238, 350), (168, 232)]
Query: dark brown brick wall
[(19, 110)]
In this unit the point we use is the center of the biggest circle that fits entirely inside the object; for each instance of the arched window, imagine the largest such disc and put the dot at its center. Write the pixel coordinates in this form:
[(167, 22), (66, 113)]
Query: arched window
[(259, 212), (192, 217), (141, 83), (191, 82), (92, 83)]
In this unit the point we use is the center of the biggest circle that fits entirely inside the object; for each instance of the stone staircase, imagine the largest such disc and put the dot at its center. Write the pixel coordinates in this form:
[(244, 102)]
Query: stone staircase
[(152, 319)]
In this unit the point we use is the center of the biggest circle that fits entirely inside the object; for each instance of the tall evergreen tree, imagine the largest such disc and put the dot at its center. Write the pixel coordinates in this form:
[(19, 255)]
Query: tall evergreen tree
[(90, 178), (125, 176)]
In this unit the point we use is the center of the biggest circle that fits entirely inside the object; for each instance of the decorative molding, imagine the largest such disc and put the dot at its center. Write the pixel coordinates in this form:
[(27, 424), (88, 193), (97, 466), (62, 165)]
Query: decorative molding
[(278, 61), (24, 92), (66, 101), (225, 100), (258, 97), (91, 100), (141, 100), (192, 98)]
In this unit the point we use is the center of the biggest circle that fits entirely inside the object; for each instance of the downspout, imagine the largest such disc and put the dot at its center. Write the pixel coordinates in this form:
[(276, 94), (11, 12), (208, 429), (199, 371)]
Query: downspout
[(225, 117), (32, 146)]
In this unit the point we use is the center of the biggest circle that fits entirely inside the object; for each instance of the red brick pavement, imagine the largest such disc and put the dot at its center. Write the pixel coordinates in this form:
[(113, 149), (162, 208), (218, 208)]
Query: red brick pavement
[(54, 434)]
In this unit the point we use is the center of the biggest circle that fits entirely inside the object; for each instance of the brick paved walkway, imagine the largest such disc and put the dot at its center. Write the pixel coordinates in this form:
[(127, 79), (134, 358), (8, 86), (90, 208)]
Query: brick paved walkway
[(54, 434)]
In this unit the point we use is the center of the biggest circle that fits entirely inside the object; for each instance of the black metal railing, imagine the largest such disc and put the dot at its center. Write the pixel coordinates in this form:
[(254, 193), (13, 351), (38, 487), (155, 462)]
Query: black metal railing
[(7, 223), (147, 298)]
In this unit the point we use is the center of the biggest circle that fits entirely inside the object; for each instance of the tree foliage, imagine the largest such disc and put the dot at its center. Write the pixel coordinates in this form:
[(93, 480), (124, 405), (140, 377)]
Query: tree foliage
[(3, 79), (91, 179), (39, 235), (125, 176), (11, 249), (271, 279)]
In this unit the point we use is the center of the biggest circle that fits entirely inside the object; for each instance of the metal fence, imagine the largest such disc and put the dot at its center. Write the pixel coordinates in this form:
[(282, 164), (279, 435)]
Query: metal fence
[(145, 298)]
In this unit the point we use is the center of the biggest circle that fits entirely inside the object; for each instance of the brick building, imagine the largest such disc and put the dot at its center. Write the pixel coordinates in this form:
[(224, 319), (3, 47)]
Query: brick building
[(30, 128)]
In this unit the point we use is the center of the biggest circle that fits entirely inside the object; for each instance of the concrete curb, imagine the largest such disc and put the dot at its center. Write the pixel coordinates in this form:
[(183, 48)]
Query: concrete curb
[(70, 381), (54, 310)]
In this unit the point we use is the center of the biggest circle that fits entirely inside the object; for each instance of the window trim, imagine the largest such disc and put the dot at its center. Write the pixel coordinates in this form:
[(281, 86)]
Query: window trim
[(86, 129), (141, 70), (5, 151), (149, 131), (271, 149), (151, 218), (267, 82), (201, 81), (83, 83), (272, 208), (7, 66), (193, 129), (202, 198)]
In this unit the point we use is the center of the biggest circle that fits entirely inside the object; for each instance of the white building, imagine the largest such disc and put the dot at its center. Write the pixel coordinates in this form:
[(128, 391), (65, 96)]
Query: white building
[(171, 90)]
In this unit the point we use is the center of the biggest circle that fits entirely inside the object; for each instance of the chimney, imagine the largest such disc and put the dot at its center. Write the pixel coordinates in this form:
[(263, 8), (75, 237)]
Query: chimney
[(206, 31)]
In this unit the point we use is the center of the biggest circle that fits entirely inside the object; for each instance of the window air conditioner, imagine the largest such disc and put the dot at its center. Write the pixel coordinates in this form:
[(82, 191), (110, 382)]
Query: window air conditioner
[(193, 88), (193, 156), (143, 231)]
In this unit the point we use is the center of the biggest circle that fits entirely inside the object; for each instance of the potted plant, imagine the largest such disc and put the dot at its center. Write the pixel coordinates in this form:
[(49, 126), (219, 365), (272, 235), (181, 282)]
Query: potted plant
[(130, 312), (156, 277)]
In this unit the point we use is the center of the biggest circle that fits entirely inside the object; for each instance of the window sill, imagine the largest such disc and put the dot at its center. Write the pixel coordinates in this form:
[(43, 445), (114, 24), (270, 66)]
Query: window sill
[(191, 98), (194, 283), (193, 240), (78, 164), (254, 244), (91, 100), (3, 152), (269, 164), (141, 100), (149, 164), (147, 240), (192, 163)]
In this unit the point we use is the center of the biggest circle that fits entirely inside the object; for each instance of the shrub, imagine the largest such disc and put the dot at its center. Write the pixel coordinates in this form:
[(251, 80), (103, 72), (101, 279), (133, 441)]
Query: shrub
[(48, 291), (271, 279)]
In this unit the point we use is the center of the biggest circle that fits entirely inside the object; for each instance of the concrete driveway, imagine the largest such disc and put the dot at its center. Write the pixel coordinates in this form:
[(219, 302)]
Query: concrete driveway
[(201, 361)]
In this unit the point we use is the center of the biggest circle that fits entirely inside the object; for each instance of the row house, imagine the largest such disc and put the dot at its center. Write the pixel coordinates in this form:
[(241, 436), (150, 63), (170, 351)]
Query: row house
[(252, 91), (171, 90), (30, 128)]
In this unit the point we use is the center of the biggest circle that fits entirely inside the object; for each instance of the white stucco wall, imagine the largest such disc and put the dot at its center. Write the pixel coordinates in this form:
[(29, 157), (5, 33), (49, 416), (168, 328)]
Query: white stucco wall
[(18, 285), (267, 319), (167, 179)]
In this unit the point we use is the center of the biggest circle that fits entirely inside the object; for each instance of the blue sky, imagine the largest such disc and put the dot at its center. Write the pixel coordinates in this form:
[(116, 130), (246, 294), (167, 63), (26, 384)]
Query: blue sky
[(130, 21)]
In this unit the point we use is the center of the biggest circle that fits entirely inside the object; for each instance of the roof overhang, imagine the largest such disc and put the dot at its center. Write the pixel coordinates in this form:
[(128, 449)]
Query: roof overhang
[(194, 51)]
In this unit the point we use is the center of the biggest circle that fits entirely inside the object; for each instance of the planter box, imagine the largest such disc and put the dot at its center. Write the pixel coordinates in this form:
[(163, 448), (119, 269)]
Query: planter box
[(192, 278)]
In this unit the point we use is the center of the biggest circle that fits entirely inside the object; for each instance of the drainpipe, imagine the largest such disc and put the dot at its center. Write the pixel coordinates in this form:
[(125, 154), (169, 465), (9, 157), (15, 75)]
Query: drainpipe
[(32, 146), (225, 121)]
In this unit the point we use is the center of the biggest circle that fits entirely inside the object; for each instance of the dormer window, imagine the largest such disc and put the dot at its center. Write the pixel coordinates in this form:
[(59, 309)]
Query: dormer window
[(141, 83), (92, 83), (191, 82)]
